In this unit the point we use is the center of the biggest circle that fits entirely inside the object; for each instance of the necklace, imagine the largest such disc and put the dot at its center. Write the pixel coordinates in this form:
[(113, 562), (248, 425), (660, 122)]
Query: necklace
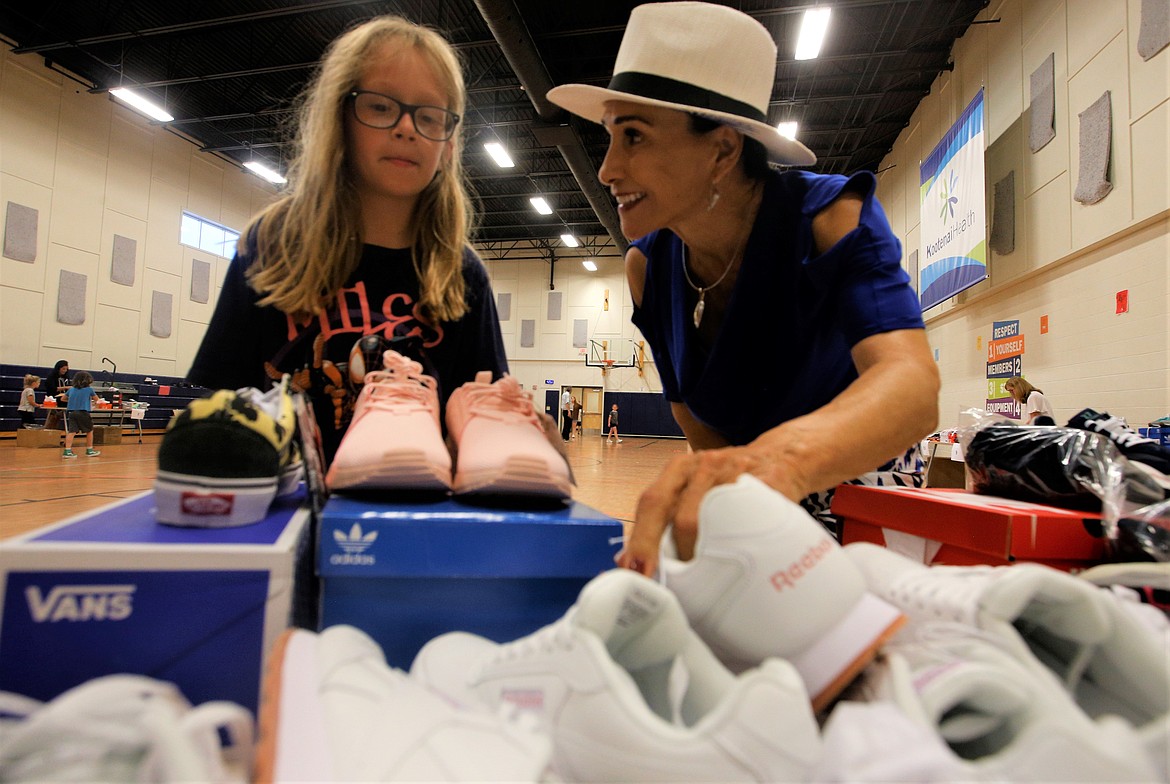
[(700, 306)]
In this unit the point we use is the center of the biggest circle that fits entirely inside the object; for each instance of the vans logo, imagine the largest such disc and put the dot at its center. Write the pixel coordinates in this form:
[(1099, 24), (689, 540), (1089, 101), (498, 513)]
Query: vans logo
[(206, 504), (353, 547), (80, 603), (790, 575)]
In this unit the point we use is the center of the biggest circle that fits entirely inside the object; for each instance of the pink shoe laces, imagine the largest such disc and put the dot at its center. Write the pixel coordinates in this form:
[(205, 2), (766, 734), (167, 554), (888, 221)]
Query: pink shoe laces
[(400, 386), (505, 400)]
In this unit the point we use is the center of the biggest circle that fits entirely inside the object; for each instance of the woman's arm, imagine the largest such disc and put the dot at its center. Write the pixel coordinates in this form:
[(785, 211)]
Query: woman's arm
[(892, 405)]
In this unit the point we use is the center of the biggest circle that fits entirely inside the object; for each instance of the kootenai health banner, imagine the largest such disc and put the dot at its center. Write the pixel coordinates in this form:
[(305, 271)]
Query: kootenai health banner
[(954, 211)]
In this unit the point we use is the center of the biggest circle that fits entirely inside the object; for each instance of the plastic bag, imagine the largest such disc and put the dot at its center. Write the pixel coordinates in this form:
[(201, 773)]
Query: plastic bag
[(1059, 466)]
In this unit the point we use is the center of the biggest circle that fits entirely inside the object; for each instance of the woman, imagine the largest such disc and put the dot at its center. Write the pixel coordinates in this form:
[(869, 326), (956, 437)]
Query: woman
[(367, 249), (731, 256), (1034, 407), (53, 388)]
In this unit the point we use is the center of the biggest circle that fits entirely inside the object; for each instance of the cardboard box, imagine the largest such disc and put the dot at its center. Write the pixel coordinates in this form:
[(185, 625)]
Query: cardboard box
[(941, 469), (942, 526), (107, 435), (114, 591), (406, 573), (39, 438)]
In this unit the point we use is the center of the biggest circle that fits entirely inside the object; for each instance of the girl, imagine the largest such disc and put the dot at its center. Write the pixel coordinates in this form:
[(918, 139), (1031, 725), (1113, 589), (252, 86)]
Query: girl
[(612, 424), (1035, 407), (77, 419), (28, 401), (368, 247)]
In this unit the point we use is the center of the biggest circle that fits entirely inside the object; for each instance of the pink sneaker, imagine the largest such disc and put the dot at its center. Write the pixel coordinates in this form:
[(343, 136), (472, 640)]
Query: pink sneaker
[(502, 448), (395, 440)]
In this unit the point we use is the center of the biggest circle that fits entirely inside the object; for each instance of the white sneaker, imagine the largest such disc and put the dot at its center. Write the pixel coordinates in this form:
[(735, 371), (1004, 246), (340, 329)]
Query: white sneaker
[(1006, 721), (333, 710), (768, 580), (127, 728), (1108, 659), (629, 693)]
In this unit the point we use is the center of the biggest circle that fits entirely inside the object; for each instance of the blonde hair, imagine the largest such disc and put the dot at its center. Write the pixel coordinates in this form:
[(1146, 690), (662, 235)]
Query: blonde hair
[(30, 380), (308, 243), (1019, 384)]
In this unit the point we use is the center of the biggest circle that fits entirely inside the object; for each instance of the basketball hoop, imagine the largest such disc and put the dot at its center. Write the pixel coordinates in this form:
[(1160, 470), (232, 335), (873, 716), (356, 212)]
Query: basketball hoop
[(608, 363)]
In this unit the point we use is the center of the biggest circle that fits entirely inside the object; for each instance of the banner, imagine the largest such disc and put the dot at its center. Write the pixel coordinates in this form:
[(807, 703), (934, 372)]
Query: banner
[(1005, 358), (954, 211)]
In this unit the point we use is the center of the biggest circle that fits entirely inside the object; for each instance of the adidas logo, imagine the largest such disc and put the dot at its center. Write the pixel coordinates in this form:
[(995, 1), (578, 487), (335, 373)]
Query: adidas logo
[(353, 547), (80, 603)]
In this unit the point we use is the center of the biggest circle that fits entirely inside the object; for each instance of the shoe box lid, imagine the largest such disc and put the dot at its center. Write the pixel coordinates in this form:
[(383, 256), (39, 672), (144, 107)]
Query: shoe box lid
[(114, 591), (453, 538), (957, 527)]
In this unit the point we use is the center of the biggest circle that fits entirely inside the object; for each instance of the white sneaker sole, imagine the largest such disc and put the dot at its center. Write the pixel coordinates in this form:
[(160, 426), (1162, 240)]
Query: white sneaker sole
[(839, 656), (211, 502), (521, 476), (404, 469), (291, 743)]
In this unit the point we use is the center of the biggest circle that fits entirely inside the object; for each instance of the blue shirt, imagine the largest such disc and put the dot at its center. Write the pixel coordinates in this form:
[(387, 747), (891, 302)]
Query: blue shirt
[(79, 398), (783, 349)]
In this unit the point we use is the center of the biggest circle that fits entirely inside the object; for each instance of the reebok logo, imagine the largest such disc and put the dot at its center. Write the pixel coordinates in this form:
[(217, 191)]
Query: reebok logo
[(80, 603), (524, 699), (353, 547), (788, 577), (206, 504)]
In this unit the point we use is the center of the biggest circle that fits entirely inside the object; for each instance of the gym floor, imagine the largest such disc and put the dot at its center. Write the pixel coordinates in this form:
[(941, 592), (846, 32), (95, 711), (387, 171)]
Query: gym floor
[(39, 487)]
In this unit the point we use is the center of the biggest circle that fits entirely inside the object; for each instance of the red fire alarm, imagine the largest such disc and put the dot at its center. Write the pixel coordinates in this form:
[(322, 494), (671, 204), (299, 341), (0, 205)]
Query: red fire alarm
[(1123, 301)]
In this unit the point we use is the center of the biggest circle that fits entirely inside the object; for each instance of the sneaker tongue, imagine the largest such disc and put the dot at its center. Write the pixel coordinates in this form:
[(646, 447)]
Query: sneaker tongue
[(640, 621), (968, 701)]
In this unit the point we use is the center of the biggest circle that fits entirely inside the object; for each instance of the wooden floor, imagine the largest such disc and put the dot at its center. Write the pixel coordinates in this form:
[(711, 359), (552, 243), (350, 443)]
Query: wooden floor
[(38, 486)]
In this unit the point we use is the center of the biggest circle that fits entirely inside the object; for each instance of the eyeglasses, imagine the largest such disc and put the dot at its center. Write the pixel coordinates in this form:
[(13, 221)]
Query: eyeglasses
[(381, 111)]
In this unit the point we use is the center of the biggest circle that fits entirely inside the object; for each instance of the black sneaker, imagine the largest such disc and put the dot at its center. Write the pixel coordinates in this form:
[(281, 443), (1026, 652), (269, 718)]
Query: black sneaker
[(225, 458), (1129, 442)]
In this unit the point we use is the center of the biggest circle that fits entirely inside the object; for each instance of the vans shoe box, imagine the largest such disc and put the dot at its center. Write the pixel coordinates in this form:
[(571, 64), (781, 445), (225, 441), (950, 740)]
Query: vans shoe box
[(405, 573), (113, 591), (946, 526)]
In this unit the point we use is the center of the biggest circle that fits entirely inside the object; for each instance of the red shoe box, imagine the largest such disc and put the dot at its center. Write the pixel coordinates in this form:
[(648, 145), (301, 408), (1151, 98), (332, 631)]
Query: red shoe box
[(946, 526)]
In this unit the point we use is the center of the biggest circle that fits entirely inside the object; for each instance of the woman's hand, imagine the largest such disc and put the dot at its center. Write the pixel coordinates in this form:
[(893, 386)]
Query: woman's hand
[(673, 499)]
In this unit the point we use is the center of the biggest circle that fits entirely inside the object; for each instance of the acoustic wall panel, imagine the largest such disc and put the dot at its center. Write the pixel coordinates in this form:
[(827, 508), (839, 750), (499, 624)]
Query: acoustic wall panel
[(580, 333), (504, 306), (1042, 110), (200, 281), (122, 260), (161, 304), (554, 306), (71, 297), (1093, 183), (20, 233), (527, 333)]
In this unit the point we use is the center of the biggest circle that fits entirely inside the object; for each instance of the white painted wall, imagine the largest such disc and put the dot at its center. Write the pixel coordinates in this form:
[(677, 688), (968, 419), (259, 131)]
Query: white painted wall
[(92, 169), (1070, 259)]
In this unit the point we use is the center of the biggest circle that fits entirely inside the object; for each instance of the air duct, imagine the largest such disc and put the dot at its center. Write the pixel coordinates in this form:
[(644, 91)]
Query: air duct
[(508, 28)]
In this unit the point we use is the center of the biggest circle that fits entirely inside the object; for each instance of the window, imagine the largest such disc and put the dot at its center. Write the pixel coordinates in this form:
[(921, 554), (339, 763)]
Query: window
[(206, 235)]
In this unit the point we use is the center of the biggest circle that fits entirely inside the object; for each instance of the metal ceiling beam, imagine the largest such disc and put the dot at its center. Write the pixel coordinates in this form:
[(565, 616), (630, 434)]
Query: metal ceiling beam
[(189, 27), (508, 28)]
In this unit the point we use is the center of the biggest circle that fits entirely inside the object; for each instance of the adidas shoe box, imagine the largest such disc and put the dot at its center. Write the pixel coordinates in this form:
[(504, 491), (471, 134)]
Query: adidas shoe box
[(405, 573), (947, 526), (113, 591)]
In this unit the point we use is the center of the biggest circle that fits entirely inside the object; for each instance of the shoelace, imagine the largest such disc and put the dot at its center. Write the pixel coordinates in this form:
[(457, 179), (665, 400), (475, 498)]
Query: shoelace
[(128, 728), (402, 388), (504, 400), (557, 636), (1119, 431)]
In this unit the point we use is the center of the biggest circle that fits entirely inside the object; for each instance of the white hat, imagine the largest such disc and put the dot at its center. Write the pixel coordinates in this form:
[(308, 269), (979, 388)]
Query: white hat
[(699, 58)]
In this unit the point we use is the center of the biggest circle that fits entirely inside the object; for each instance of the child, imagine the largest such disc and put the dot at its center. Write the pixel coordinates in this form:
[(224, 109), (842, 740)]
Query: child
[(368, 247), (77, 418), (612, 425), (28, 401)]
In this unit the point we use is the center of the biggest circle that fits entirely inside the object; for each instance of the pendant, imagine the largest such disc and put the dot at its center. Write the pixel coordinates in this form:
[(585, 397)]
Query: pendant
[(699, 307)]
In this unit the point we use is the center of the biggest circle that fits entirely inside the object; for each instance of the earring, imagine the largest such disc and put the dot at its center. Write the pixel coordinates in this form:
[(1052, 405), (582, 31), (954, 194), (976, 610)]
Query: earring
[(711, 202)]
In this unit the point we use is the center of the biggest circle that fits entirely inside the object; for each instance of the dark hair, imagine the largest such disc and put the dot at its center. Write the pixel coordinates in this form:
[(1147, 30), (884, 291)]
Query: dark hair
[(82, 380), (754, 158), (60, 364)]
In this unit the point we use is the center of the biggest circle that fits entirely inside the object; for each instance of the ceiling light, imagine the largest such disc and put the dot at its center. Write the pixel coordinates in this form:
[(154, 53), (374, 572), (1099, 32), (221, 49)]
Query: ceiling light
[(589, 265), (260, 170), (787, 129), (144, 105), (812, 33), (569, 240), (540, 205), (499, 155)]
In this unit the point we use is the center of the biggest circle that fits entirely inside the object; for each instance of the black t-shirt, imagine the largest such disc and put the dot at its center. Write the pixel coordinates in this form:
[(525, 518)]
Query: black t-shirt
[(327, 356)]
